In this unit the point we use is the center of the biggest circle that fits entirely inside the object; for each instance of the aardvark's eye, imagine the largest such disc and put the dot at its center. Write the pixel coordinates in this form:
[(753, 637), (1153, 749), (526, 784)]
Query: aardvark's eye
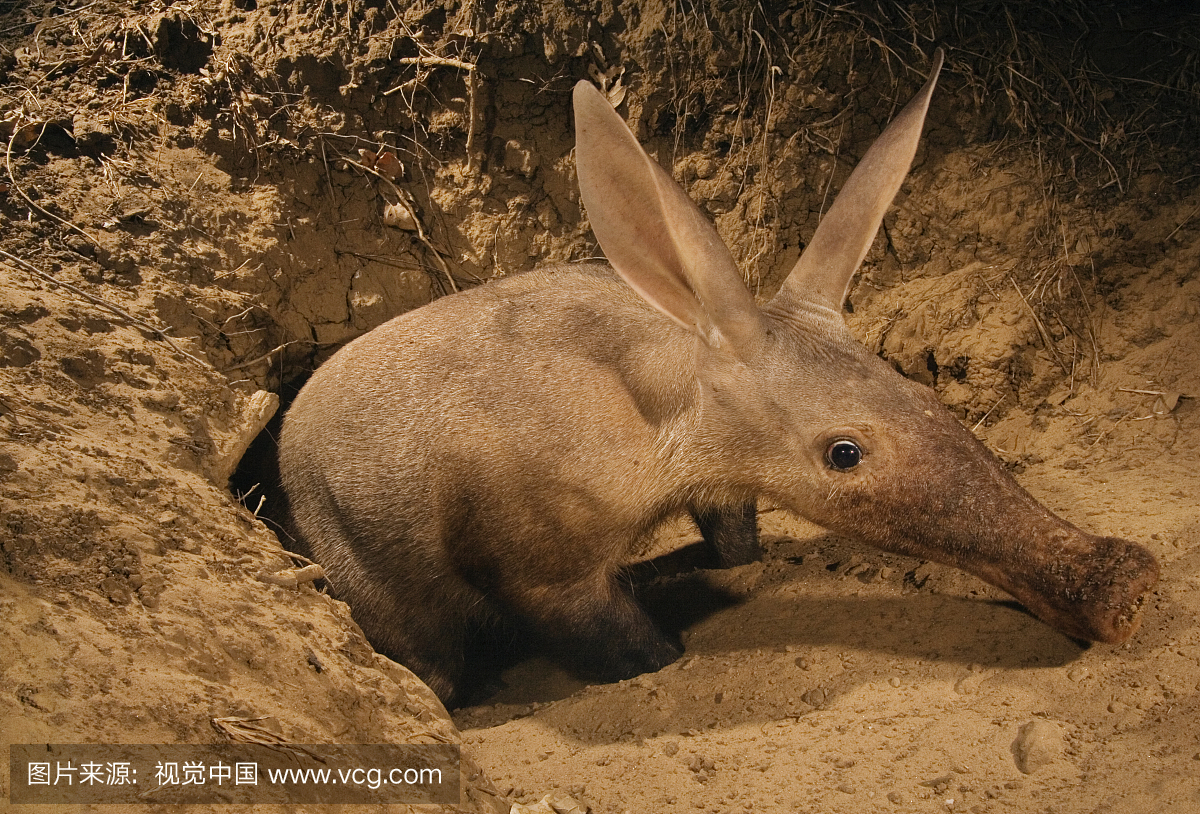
[(843, 454)]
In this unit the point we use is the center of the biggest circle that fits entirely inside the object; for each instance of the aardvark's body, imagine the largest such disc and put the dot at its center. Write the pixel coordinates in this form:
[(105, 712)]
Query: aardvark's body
[(506, 450)]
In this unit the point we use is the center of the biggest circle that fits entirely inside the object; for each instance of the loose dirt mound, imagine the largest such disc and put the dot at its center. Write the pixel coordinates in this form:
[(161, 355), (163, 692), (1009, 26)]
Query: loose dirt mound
[(201, 201)]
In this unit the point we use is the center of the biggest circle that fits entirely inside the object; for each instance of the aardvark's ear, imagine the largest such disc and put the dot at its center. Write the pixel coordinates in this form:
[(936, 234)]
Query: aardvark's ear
[(823, 273), (656, 238)]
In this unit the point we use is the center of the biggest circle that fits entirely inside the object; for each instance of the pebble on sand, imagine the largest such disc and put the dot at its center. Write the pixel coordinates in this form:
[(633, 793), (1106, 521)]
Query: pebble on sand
[(1037, 744)]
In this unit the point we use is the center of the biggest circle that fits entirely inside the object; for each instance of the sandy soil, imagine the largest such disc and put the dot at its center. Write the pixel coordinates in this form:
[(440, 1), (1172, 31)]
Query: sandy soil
[(197, 210)]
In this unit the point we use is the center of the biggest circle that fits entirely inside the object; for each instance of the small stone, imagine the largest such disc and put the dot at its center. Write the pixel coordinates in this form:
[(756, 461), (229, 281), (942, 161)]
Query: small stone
[(816, 697), (847, 788), (670, 748), (80, 245), (1037, 744), (897, 798), (117, 590), (518, 158), (1077, 673), (938, 784), (566, 805), (894, 681)]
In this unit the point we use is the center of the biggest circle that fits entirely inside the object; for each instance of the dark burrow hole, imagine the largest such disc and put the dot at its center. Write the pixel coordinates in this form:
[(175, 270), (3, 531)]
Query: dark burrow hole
[(256, 482), (931, 364)]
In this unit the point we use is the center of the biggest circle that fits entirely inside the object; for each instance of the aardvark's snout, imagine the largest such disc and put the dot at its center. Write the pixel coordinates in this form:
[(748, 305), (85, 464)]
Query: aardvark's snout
[(1097, 594), (1085, 586)]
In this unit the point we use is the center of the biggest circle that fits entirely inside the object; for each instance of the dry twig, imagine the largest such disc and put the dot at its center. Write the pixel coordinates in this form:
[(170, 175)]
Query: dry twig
[(429, 58), (245, 730), (29, 201), (159, 333)]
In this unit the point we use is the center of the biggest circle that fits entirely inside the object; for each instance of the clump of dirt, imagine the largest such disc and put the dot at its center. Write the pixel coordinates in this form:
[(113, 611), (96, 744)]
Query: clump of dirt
[(203, 200)]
